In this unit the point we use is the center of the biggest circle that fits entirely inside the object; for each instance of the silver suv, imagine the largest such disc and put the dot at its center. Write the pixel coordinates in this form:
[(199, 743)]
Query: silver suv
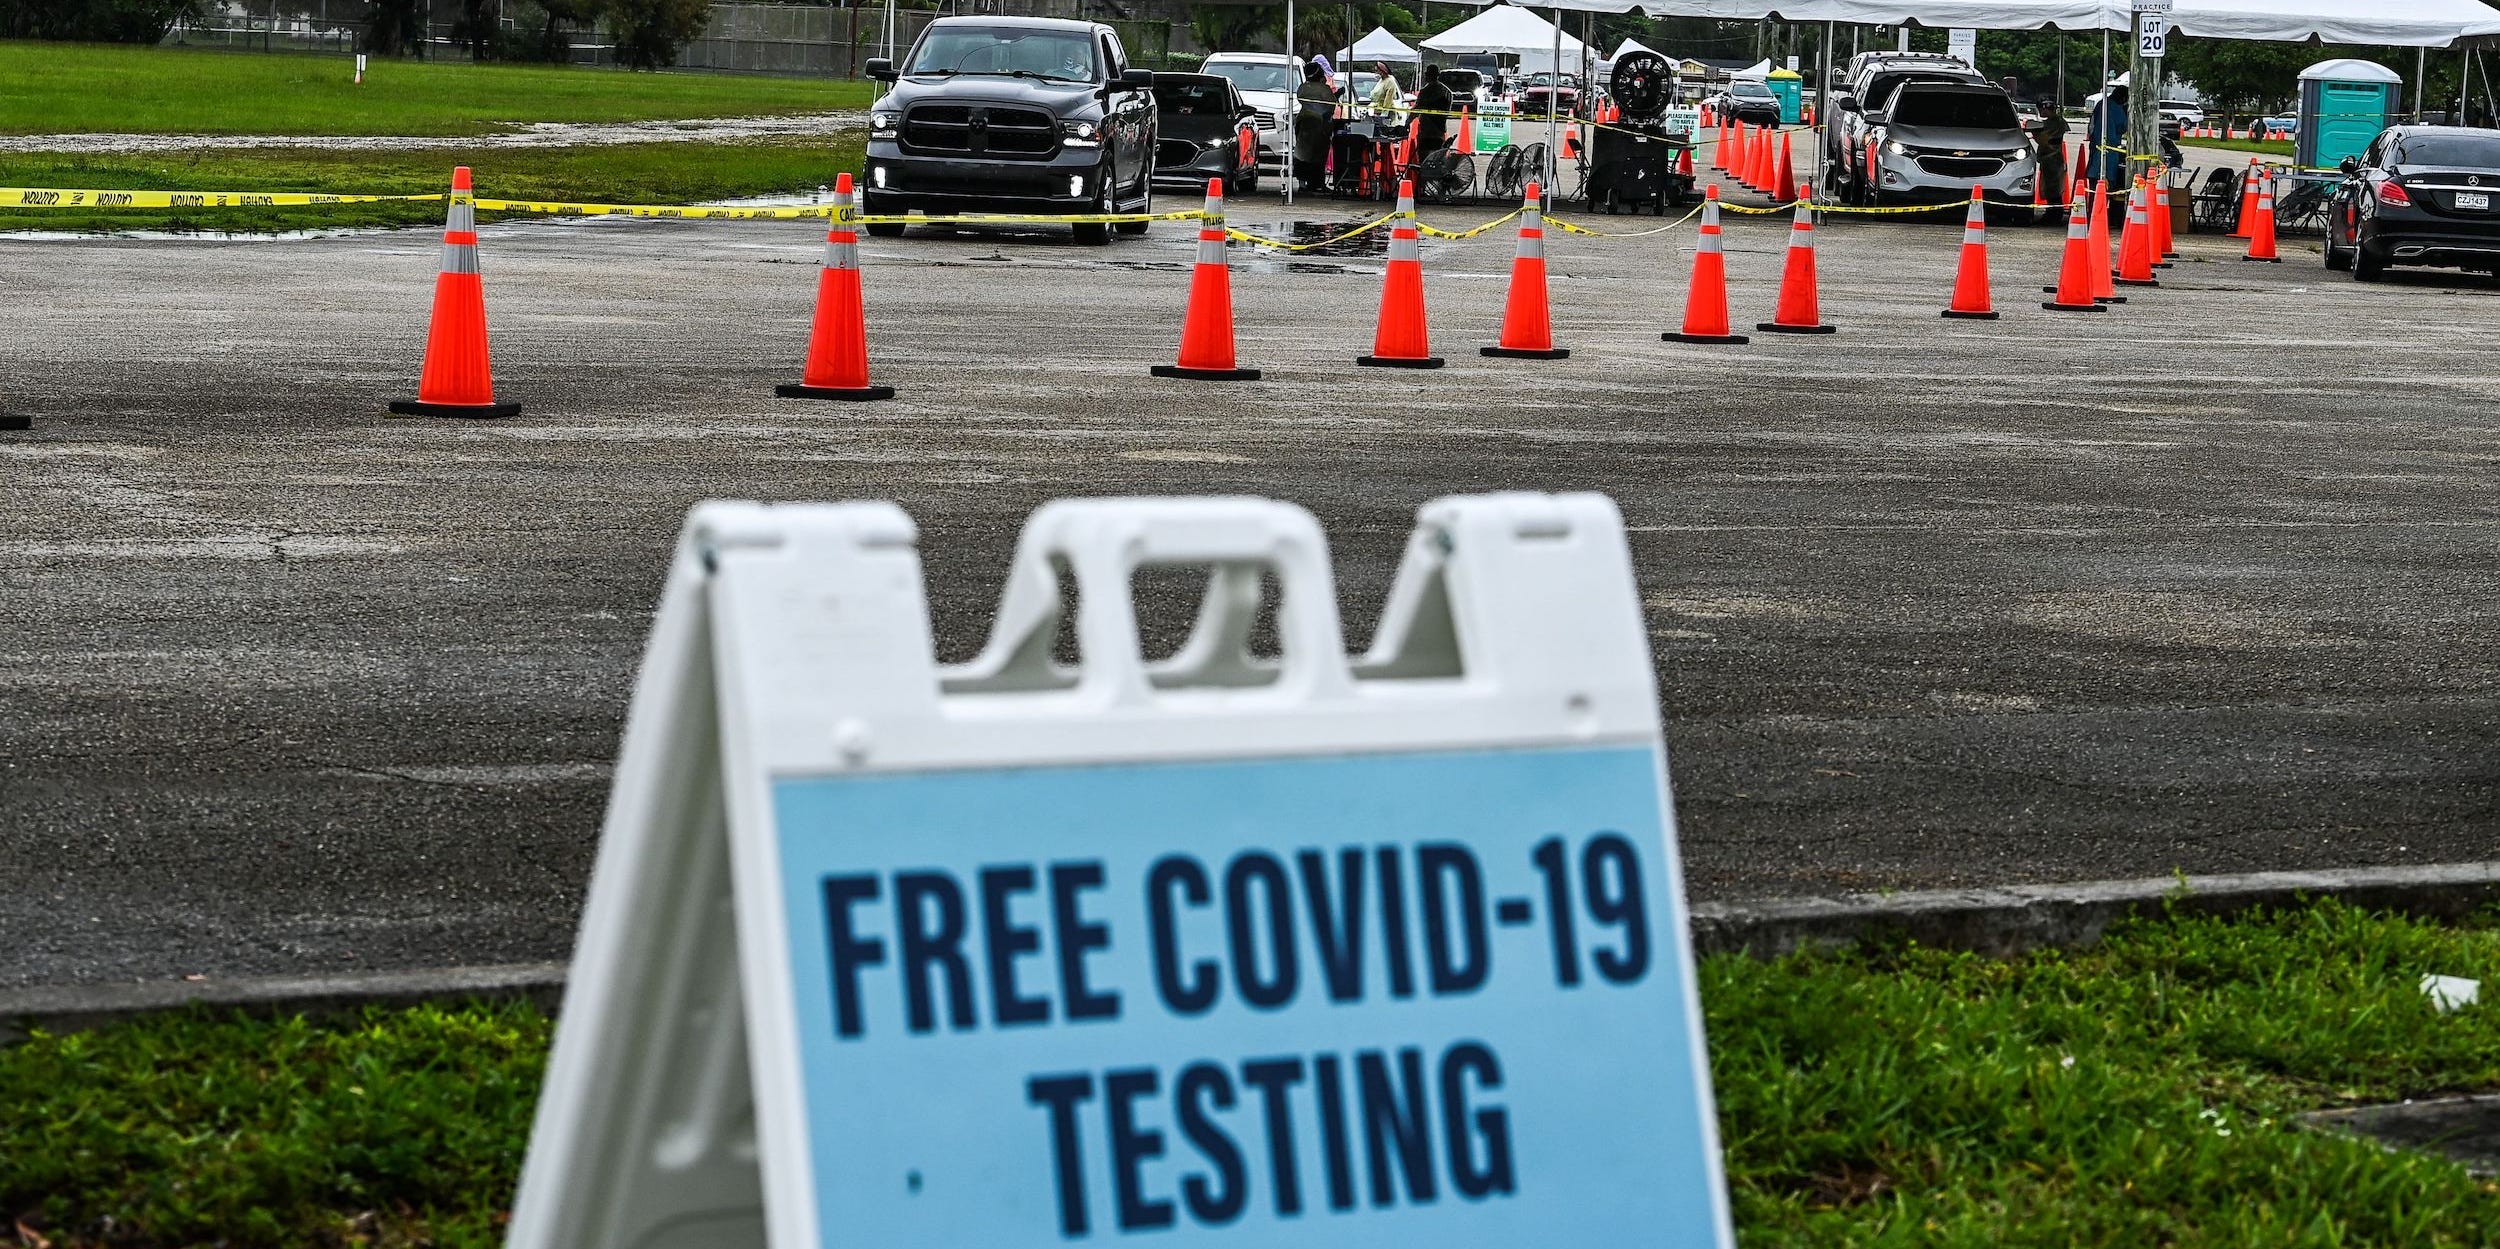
[(1938, 140)]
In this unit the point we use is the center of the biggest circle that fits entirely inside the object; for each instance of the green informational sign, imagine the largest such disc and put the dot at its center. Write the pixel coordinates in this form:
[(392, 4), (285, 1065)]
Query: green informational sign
[(1492, 132)]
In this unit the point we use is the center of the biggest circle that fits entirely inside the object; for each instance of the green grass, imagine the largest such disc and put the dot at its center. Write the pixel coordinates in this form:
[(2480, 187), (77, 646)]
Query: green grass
[(62, 88), (645, 173), (2135, 1095), (2272, 147)]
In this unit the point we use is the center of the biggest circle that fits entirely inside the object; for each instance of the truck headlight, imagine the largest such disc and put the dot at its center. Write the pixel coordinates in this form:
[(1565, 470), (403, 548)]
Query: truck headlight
[(881, 124), (1896, 148), (1080, 134)]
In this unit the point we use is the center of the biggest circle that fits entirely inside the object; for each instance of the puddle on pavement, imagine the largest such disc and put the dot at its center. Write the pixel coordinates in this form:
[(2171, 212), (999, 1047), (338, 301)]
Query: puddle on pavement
[(1305, 233)]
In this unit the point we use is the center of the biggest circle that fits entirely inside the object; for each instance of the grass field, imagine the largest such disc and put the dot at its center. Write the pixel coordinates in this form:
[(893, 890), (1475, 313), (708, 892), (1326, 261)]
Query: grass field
[(59, 88), (2139, 1094), (644, 173)]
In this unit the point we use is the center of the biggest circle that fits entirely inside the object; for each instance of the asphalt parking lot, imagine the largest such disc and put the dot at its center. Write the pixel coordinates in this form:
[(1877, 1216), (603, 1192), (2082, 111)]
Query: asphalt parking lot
[(2208, 583)]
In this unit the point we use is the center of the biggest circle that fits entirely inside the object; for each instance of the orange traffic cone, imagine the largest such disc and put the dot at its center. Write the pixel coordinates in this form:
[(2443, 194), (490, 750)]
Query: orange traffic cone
[(2261, 243), (2164, 250), (1971, 300), (837, 348), (1800, 311), (457, 379), (1466, 131), (1705, 303), (2247, 227), (1766, 162), (1571, 141), (1684, 162), (2103, 288), (2135, 247), (2074, 275), (1207, 322), (1738, 153), (1527, 319), (1785, 181), (1401, 342)]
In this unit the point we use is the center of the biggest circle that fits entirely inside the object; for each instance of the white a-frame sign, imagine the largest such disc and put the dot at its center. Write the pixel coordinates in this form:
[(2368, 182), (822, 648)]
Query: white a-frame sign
[(1218, 949)]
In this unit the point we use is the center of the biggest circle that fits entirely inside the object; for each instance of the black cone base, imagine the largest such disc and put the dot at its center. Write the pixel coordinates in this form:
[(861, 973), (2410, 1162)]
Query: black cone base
[(2137, 282), (2263, 260), (2054, 306), (848, 394), (1205, 375), (1704, 338), (1528, 353), (2109, 299), (1400, 362), (1774, 327), (415, 407), (1959, 315), (9, 421)]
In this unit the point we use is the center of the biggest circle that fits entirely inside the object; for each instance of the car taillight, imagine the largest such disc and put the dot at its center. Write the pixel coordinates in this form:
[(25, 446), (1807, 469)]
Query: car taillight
[(2395, 193)]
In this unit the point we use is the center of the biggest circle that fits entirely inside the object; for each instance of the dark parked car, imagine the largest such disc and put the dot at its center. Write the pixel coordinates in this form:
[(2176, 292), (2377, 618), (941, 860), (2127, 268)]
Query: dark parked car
[(1749, 102), (2419, 195), (1012, 114), (1200, 118)]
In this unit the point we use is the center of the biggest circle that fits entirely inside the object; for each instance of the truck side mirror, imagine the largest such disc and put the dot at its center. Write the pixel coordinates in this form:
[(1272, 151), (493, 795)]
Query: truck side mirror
[(880, 69), (1135, 80)]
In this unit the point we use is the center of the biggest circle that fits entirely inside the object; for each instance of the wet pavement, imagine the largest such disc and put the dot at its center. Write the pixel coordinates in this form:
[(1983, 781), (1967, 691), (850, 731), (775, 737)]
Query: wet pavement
[(2207, 583)]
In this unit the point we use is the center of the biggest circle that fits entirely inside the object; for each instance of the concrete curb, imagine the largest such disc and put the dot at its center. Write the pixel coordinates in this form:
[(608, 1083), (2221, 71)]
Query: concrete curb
[(2022, 917), (1990, 921)]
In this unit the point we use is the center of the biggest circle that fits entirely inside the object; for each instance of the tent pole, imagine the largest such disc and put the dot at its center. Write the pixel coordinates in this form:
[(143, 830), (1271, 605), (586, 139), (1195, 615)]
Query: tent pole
[(2061, 71), (2465, 81), (2104, 83), (2421, 79), (1822, 101), (1553, 94)]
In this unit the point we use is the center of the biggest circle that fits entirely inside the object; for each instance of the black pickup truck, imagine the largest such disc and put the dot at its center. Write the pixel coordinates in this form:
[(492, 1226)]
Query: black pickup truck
[(1012, 115)]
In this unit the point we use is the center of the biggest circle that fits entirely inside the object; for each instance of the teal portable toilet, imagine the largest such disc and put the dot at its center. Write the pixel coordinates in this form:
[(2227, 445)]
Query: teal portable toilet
[(2343, 105), (1790, 87)]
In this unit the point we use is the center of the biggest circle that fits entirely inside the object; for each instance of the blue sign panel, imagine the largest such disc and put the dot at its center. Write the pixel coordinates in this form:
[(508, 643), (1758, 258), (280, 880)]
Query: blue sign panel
[(1377, 1001)]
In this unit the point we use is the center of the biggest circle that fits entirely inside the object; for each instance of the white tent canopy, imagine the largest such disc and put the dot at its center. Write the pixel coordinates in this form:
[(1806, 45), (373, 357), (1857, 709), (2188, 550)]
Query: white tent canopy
[(1379, 45), (2412, 23), (1757, 71), (1505, 29), (1630, 46)]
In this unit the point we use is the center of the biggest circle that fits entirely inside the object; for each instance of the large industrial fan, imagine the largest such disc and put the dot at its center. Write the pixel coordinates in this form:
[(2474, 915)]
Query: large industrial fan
[(1632, 161)]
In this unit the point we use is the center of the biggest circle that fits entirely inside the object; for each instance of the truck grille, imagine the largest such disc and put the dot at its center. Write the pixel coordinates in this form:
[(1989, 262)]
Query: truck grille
[(1961, 166), (980, 130)]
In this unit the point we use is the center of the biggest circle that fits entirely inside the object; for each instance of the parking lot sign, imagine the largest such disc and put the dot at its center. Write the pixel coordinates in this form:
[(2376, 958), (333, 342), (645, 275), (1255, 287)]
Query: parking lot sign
[(1232, 947), (2153, 39)]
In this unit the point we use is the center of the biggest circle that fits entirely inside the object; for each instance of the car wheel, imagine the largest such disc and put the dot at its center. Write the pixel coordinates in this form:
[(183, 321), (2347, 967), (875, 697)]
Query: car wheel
[(2366, 268), (2336, 258), (1097, 233), (1139, 227)]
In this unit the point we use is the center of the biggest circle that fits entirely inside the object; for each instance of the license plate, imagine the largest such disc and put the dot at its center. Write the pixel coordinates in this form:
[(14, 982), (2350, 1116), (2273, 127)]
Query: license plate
[(2473, 199)]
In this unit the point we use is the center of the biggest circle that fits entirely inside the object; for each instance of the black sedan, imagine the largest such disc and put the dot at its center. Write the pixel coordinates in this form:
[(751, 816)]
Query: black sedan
[(1200, 118), (2420, 195)]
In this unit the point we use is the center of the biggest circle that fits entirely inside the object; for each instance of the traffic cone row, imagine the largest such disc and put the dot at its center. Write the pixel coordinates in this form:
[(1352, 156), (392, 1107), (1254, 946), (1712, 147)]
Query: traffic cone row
[(457, 379)]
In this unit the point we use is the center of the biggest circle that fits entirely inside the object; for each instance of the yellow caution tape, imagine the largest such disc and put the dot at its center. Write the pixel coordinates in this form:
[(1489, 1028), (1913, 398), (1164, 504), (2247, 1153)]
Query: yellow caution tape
[(1512, 215), (562, 209), (1262, 240), (37, 197)]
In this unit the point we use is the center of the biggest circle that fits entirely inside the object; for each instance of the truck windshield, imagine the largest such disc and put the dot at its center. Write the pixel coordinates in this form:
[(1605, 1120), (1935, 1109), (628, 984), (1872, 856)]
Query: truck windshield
[(1251, 76), (1960, 110), (1060, 55)]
